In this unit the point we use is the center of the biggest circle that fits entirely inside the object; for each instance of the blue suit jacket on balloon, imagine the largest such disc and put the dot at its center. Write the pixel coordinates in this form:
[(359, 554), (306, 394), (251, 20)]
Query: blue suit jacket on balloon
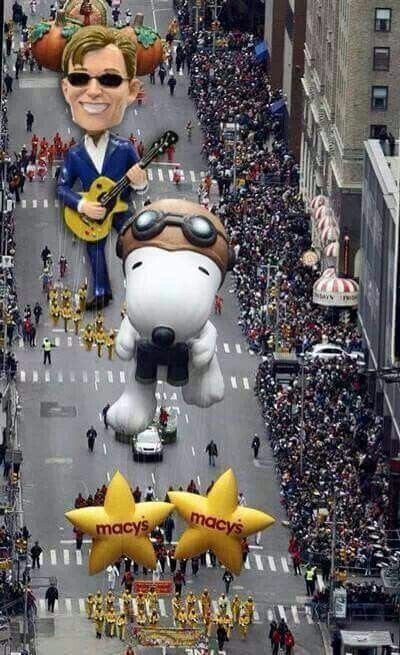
[(77, 165), (120, 156)]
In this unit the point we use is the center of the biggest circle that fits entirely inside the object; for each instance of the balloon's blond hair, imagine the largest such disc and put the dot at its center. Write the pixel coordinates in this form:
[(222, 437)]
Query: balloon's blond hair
[(95, 37)]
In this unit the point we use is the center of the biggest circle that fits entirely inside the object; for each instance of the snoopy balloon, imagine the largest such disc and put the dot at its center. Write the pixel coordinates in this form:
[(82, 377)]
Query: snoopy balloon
[(175, 256)]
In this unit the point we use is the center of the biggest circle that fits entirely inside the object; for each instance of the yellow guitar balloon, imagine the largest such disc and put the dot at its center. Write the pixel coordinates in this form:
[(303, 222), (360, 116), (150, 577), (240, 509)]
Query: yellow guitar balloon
[(121, 527), (217, 522)]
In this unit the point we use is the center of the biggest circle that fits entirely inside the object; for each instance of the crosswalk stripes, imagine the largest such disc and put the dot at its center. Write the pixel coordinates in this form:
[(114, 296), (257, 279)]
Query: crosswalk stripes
[(285, 564), (150, 174), (238, 348), (226, 348), (160, 175), (69, 556), (292, 614), (100, 377)]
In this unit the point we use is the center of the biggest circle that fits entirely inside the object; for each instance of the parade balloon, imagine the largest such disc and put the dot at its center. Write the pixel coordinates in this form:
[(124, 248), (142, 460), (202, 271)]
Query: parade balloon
[(217, 522), (175, 256), (149, 46), (120, 527), (48, 39)]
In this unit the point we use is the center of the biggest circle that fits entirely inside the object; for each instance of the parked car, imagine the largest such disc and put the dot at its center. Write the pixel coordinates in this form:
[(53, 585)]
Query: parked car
[(147, 445), (332, 350)]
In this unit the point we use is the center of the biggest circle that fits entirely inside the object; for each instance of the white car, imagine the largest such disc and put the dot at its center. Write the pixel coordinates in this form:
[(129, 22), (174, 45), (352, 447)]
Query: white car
[(332, 350), (147, 445)]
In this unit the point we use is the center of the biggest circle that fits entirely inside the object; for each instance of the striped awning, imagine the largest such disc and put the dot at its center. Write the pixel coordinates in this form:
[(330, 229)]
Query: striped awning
[(329, 233), (331, 290), (328, 220), (332, 249), (318, 201)]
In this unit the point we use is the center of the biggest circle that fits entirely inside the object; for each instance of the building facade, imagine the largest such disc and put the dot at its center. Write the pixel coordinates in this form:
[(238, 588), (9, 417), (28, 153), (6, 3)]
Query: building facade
[(284, 33), (379, 299), (350, 86)]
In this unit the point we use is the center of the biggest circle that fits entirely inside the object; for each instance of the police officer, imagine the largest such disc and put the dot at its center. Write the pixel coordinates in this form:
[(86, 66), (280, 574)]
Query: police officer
[(255, 444), (91, 436)]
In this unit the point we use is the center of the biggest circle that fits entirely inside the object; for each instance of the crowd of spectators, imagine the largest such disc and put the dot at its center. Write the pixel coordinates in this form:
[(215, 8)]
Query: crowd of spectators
[(341, 448)]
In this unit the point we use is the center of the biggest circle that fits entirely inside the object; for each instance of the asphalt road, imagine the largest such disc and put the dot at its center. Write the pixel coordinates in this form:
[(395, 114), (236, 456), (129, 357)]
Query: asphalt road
[(62, 401)]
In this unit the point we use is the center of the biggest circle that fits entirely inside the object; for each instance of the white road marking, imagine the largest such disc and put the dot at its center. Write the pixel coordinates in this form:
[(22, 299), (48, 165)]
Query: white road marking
[(158, 396), (85, 376), (246, 383), (78, 557), (238, 348), (171, 174), (72, 376), (110, 376), (192, 176), (45, 203), (193, 452), (60, 376), (105, 448), (138, 131), (247, 563), (42, 605), (174, 396), (160, 175), (47, 376), (270, 615), (161, 605), (285, 565), (186, 418), (308, 615), (57, 341), (233, 382), (35, 376), (295, 614), (256, 615), (208, 561), (122, 377), (271, 563), (150, 175), (226, 348), (22, 376), (82, 607), (69, 130), (198, 481), (34, 204), (66, 556), (53, 557), (282, 613), (259, 563), (69, 342), (108, 476), (68, 605), (23, 204), (135, 112)]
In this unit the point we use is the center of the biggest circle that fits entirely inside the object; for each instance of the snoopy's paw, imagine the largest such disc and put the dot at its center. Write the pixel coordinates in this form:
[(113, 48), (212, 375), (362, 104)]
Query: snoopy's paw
[(130, 418), (204, 393)]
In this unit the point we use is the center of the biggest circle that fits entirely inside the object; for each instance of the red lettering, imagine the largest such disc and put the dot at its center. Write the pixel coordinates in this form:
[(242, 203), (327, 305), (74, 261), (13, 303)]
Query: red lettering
[(128, 527)]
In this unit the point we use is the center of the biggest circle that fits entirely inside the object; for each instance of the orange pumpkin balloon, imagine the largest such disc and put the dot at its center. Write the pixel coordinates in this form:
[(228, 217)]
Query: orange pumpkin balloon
[(48, 40), (149, 46)]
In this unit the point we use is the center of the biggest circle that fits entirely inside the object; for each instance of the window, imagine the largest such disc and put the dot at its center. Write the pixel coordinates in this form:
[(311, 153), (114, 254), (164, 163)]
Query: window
[(383, 20), (379, 98), (381, 59), (376, 130)]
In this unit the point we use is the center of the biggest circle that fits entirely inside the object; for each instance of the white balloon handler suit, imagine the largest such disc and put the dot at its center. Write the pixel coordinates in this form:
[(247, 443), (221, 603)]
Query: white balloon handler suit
[(175, 255)]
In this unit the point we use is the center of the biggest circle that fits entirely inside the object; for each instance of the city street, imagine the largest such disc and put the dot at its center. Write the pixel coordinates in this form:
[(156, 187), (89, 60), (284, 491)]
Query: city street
[(60, 402)]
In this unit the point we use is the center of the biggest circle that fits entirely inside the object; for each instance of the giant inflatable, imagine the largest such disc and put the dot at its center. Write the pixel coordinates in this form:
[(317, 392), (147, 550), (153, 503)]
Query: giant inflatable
[(175, 255)]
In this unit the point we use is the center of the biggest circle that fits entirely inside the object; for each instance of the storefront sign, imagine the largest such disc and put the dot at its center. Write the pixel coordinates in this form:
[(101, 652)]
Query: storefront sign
[(335, 298)]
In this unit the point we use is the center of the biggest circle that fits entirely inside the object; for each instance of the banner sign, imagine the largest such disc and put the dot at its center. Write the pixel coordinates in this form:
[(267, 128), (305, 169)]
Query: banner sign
[(168, 637), (339, 603), (161, 586)]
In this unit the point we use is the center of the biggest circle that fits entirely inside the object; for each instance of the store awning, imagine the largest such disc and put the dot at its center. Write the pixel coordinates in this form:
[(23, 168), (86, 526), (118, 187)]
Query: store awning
[(327, 220), (329, 233), (332, 249), (261, 51), (277, 106), (333, 291), (318, 201)]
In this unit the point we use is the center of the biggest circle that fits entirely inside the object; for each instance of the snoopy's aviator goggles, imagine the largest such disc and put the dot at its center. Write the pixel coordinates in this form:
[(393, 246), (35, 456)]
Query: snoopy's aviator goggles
[(198, 230)]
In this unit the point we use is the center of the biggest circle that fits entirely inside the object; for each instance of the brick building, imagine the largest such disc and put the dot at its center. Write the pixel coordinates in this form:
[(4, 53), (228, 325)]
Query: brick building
[(284, 34), (351, 80)]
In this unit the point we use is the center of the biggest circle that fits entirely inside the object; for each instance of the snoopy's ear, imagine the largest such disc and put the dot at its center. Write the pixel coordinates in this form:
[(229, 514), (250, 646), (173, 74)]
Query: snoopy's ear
[(231, 259)]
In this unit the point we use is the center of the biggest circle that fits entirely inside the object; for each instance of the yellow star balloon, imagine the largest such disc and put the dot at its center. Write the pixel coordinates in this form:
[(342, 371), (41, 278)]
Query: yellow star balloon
[(121, 527), (217, 522)]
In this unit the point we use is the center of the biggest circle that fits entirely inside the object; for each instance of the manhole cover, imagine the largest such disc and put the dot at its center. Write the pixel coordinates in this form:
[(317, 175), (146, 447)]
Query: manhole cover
[(54, 410)]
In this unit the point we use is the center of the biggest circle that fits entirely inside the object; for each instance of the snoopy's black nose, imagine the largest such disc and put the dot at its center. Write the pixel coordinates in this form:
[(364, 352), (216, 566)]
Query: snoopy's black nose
[(163, 336)]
